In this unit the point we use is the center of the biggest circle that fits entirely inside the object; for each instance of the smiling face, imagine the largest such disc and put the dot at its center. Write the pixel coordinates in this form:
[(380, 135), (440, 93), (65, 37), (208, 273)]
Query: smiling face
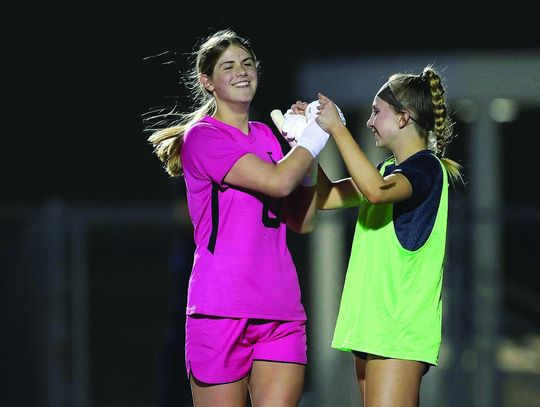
[(234, 78), (383, 122)]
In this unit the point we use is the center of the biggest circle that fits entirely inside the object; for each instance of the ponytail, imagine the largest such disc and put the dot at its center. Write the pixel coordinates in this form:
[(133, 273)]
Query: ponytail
[(167, 142)]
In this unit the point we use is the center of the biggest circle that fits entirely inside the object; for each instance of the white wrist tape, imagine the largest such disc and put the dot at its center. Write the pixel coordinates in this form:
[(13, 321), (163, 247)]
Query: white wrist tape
[(313, 138), (310, 179), (293, 125)]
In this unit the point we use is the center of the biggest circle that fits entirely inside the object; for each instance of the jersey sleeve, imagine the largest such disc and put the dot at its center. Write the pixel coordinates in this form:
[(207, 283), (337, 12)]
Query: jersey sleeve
[(210, 152), (421, 173)]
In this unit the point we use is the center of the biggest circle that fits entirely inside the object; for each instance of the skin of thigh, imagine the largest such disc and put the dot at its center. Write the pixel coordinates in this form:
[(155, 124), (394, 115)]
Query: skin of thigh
[(392, 382), (225, 395), (276, 384), (360, 367)]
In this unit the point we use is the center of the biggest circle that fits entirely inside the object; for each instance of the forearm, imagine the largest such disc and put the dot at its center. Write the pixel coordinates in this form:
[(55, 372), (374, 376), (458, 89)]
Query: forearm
[(366, 177), (291, 170), (277, 180), (302, 209), (336, 194)]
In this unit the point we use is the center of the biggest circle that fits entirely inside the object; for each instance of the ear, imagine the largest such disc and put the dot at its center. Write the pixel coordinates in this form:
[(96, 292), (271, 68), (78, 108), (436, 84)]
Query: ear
[(403, 118), (207, 83)]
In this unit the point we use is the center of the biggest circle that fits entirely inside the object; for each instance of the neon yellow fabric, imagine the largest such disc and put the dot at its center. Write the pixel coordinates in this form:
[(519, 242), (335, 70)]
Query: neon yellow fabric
[(391, 303)]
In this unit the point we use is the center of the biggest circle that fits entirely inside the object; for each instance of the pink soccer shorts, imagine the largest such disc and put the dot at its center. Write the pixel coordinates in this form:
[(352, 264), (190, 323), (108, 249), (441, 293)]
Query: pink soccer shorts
[(222, 350)]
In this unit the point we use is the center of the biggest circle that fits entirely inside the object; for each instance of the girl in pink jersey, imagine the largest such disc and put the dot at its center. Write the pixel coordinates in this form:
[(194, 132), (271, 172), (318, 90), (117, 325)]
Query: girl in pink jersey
[(245, 326)]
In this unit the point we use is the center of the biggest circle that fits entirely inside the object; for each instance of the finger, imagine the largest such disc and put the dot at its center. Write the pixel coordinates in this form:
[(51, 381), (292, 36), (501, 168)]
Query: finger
[(323, 98)]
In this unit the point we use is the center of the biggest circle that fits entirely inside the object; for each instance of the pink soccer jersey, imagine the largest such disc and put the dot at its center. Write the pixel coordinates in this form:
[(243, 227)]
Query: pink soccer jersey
[(242, 266)]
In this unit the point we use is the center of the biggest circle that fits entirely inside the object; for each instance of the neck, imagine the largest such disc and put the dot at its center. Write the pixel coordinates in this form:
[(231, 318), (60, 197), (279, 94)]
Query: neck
[(407, 150), (238, 118)]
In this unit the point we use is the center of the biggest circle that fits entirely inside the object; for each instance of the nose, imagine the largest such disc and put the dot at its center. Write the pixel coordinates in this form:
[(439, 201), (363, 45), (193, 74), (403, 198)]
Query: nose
[(241, 71), (369, 123)]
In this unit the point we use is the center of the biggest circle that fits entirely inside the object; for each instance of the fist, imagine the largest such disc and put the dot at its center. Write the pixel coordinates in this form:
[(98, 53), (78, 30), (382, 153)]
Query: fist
[(293, 126), (312, 111)]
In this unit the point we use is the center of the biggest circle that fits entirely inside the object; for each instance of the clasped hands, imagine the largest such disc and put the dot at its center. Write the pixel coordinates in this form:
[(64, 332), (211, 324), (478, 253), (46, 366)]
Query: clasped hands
[(300, 128), (300, 119)]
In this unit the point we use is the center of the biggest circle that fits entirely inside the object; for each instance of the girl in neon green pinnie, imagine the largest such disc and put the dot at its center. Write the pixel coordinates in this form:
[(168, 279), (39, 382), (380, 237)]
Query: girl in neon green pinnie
[(390, 315)]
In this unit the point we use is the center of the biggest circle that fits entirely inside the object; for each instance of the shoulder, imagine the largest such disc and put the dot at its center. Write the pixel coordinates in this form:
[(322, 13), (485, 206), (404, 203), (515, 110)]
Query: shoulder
[(423, 170), (205, 125), (204, 129), (422, 167), (424, 161)]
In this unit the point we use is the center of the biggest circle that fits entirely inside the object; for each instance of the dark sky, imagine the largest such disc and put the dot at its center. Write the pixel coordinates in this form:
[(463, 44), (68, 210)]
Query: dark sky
[(77, 84)]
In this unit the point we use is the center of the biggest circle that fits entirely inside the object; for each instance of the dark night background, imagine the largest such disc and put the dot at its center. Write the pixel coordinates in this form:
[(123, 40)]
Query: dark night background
[(76, 82)]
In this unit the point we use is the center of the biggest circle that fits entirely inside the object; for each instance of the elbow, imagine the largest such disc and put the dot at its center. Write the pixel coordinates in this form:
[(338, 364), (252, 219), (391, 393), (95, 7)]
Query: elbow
[(274, 189), (373, 197), (282, 189), (372, 200), (305, 229)]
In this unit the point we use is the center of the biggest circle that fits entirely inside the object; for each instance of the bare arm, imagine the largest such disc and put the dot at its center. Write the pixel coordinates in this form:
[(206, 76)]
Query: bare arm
[(336, 194), (301, 207), (276, 180), (366, 177), (280, 180), (301, 204)]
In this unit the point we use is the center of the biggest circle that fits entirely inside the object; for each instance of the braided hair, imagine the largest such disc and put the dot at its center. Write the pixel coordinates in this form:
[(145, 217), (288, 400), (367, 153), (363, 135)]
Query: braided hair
[(423, 96)]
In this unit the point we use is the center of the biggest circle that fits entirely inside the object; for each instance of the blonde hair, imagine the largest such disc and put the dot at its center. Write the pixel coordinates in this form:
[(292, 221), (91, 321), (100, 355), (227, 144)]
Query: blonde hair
[(167, 141), (424, 95)]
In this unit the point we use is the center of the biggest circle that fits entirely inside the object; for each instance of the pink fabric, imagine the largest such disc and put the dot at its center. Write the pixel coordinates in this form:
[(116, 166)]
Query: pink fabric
[(222, 350), (250, 273)]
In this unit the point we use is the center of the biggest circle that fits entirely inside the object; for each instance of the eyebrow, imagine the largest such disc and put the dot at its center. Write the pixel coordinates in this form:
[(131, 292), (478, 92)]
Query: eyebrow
[(232, 62)]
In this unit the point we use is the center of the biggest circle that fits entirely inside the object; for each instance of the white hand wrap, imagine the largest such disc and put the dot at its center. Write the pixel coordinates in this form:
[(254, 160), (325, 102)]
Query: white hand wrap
[(313, 138), (303, 130), (293, 126), (291, 130)]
